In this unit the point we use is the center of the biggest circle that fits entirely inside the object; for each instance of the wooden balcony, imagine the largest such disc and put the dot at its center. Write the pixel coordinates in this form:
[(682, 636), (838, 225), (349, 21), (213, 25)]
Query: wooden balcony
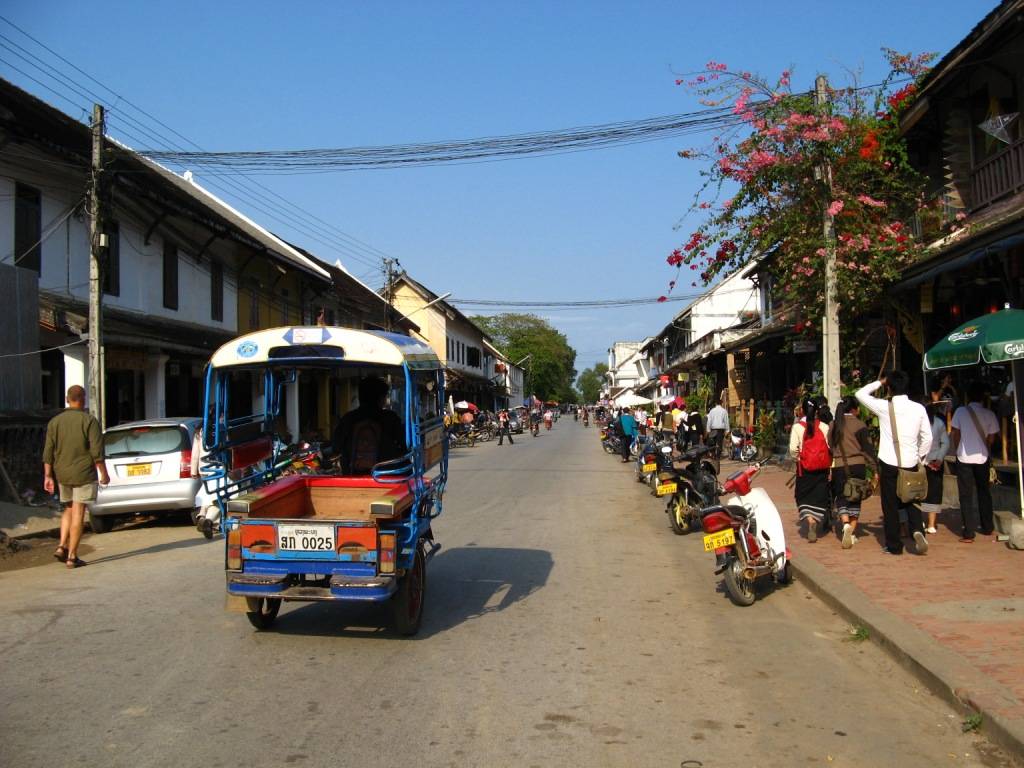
[(999, 176)]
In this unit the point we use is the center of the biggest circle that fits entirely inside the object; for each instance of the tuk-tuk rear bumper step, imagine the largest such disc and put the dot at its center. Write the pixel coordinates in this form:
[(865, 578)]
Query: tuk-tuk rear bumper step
[(369, 588)]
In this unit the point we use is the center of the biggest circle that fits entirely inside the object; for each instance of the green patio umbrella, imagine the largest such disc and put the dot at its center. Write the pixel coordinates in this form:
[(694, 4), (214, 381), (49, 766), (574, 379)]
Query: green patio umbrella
[(994, 338)]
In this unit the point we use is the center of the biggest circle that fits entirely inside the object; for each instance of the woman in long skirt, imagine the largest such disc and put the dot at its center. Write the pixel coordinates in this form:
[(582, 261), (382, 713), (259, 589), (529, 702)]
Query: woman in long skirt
[(936, 459), (813, 498), (852, 451)]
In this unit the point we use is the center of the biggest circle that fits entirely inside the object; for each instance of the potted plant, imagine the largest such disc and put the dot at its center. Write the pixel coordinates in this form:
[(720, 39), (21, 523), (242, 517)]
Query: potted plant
[(765, 435)]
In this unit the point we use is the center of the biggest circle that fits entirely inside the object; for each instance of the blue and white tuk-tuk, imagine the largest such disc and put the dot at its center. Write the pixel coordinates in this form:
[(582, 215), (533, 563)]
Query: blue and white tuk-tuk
[(326, 535)]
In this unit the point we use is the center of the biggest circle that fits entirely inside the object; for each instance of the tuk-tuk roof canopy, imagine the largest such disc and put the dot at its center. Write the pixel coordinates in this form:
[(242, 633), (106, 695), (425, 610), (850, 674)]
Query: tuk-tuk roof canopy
[(373, 347)]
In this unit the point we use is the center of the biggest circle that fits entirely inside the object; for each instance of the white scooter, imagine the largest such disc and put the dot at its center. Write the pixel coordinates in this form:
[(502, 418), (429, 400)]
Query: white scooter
[(747, 537)]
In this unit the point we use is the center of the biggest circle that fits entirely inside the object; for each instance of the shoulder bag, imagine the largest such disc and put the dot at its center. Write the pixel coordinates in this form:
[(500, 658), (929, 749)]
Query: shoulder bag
[(855, 489), (911, 484)]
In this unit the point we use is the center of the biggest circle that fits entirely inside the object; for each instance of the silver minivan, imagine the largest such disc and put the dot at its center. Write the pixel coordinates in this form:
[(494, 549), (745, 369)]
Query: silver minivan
[(151, 470)]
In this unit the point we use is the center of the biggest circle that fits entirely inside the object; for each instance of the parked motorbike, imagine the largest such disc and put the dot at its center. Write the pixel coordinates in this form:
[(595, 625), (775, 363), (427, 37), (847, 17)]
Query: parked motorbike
[(747, 537), (743, 447), (696, 478), (611, 442)]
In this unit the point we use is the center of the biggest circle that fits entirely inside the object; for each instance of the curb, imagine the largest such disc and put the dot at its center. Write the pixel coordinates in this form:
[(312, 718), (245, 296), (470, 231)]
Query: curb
[(944, 672)]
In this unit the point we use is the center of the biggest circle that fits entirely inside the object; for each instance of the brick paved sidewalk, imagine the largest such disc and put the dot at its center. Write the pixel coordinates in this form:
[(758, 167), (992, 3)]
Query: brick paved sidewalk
[(969, 598)]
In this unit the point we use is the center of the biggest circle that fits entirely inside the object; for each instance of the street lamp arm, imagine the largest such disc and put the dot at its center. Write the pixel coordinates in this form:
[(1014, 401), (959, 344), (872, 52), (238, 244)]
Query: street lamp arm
[(425, 306)]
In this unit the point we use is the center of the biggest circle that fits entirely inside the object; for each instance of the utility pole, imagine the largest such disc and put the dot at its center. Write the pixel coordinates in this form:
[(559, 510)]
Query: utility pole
[(830, 320), (97, 244), (389, 297)]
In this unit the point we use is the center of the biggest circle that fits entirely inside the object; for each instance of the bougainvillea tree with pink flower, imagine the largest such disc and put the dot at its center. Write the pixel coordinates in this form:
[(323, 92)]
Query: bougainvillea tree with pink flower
[(764, 195)]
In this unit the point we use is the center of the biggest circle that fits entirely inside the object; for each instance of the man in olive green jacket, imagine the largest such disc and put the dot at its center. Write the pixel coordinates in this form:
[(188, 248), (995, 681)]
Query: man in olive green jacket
[(74, 453)]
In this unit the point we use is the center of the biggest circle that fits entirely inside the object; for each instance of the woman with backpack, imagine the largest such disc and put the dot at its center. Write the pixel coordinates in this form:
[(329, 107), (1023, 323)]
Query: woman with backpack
[(808, 445), (850, 443)]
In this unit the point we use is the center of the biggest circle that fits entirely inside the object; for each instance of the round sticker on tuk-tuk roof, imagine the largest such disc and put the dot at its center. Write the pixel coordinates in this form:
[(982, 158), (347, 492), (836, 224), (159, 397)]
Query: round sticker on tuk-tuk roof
[(247, 349)]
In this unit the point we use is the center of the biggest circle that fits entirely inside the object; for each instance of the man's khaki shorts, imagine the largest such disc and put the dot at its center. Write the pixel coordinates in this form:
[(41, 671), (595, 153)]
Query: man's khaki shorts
[(77, 493)]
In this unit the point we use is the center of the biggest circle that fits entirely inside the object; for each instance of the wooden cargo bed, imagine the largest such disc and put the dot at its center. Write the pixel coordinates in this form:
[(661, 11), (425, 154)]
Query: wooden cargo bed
[(325, 498)]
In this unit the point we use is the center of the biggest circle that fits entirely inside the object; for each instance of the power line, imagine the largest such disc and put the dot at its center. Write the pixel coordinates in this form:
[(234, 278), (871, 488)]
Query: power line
[(582, 138), (228, 181), (588, 303)]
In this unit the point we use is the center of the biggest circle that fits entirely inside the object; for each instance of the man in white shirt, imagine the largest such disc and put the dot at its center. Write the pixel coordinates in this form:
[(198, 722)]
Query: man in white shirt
[(974, 429), (913, 429), (717, 425)]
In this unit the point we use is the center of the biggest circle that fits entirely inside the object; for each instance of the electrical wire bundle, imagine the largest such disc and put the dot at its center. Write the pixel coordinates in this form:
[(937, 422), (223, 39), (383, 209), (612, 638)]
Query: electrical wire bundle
[(487, 149)]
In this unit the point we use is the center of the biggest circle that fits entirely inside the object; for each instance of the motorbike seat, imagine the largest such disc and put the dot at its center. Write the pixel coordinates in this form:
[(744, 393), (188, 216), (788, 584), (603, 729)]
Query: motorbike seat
[(741, 513)]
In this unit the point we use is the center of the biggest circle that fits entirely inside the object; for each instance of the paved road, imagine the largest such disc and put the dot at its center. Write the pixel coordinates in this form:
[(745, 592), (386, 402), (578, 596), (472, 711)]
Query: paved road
[(566, 626)]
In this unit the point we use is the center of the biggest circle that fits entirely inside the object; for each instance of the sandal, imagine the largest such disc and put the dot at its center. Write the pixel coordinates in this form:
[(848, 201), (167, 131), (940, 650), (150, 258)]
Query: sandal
[(75, 562), (60, 554), (967, 540)]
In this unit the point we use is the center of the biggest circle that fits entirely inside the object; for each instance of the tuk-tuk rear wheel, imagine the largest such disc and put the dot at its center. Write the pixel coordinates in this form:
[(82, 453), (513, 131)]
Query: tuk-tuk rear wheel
[(407, 604), (262, 611)]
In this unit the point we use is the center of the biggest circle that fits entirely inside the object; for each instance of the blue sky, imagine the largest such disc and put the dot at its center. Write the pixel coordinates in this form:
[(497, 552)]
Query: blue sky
[(591, 225)]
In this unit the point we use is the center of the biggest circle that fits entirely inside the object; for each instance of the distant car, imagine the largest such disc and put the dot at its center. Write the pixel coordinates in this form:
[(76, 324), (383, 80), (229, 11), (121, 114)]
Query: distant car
[(515, 424), (151, 470)]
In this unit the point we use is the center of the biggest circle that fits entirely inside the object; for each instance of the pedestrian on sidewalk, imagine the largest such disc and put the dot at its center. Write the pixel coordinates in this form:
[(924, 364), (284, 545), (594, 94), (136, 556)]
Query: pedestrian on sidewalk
[(695, 428), (808, 445), (912, 430), (503, 427), (974, 429), (935, 461), (73, 460), (718, 426), (627, 428), (852, 452)]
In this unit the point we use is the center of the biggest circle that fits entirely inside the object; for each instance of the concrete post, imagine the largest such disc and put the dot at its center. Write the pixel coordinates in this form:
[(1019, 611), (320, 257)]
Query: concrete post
[(156, 386)]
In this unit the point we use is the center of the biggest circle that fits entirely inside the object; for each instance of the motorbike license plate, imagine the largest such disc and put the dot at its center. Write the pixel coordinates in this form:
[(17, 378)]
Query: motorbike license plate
[(137, 470), (305, 537), (649, 467), (713, 541), (666, 488)]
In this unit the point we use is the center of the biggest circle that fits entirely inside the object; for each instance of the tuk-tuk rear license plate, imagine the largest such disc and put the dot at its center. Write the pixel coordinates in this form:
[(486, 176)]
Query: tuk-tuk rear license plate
[(305, 537), (666, 488), (649, 467), (713, 541)]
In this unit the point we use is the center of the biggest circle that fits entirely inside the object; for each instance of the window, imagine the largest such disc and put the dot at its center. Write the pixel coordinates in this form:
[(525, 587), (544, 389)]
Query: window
[(254, 309), (473, 356), (170, 275), (28, 227), (112, 267), (216, 291)]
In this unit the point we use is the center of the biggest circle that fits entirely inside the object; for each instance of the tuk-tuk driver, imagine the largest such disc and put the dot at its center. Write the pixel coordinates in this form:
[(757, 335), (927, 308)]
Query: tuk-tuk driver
[(370, 433)]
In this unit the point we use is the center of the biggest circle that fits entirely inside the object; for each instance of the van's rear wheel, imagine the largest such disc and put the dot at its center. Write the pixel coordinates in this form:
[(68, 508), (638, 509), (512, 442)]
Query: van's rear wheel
[(407, 604), (100, 523), (262, 611)]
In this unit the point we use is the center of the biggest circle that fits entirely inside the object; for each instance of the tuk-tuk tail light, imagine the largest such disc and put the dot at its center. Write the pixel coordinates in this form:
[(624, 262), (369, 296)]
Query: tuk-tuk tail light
[(388, 545), (234, 537)]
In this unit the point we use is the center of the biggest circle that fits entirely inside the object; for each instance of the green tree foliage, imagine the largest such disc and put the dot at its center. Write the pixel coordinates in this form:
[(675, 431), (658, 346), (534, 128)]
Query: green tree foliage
[(550, 371), (591, 381)]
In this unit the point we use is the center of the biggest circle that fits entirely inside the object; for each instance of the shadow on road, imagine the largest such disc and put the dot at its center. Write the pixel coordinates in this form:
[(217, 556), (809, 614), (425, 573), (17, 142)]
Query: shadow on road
[(463, 584), (170, 545)]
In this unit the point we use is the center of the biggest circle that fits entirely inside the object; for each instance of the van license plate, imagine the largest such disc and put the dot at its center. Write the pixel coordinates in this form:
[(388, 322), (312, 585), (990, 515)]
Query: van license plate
[(713, 541), (137, 470), (305, 538), (666, 488)]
